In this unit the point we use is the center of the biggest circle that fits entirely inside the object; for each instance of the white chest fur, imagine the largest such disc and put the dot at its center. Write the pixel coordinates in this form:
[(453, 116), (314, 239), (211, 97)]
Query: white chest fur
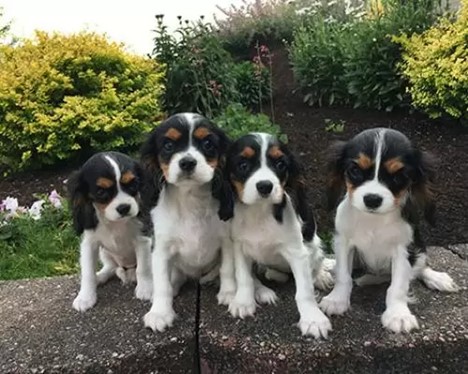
[(264, 238), (119, 239), (187, 223), (376, 236)]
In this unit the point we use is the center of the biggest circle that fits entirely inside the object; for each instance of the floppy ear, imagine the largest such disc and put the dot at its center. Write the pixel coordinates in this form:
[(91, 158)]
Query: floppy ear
[(144, 208), (422, 188), (84, 215), (153, 177), (221, 188), (296, 187), (335, 174)]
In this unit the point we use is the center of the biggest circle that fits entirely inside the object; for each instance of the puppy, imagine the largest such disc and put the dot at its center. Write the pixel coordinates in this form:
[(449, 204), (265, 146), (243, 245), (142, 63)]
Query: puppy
[(190, 201), (105, 198), (274, 226), (388, 183)]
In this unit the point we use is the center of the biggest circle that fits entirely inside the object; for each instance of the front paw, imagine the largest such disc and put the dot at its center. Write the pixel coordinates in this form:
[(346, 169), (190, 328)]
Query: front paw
[(399, 319), (317, 324), (242, 308), (225, 297), (265, 295), (144, 290), (159, 321), (84, 301), (333, 304)]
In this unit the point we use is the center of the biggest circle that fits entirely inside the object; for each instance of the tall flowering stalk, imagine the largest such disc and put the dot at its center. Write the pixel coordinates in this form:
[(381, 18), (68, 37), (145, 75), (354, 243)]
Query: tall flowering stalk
[(264, 55)]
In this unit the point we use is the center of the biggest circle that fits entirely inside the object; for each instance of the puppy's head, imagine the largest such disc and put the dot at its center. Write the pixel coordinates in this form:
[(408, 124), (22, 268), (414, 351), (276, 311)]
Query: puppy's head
[(186, 150), (380, 170), (260, 168), (107, 185)]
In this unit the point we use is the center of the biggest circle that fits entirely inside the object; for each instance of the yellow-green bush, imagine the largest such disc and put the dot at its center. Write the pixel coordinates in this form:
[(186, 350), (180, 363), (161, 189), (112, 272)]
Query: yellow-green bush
[(64, 96), (436, 65)]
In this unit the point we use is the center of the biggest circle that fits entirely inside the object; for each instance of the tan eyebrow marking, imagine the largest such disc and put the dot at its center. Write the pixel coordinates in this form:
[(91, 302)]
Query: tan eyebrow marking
[(393, 165), (248, 152), (275, 152), (201, 133), (173, 134), (127, 177), (364, 161), (104, 182)]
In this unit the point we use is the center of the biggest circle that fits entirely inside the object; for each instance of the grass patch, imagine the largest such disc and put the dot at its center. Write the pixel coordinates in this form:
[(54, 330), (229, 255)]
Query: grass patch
[(38, 248)]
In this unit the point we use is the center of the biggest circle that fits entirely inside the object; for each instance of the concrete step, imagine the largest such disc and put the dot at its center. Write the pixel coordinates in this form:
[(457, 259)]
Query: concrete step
[(41, 333), (271, 342)]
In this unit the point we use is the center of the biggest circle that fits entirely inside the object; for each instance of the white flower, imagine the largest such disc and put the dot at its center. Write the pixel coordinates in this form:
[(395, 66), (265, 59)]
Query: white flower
[(10, 204), (55, 199), (35, 210)]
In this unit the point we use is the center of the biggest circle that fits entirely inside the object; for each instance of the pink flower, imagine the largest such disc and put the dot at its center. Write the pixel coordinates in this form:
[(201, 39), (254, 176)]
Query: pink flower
[(10, 204), (55, 199)]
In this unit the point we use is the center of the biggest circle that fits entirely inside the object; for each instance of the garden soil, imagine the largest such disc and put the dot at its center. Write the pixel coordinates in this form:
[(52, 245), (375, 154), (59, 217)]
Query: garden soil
[(305, 128)]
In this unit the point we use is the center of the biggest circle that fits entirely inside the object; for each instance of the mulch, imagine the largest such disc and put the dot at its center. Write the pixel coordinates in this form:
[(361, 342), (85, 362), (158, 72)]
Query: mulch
[(305, 128)]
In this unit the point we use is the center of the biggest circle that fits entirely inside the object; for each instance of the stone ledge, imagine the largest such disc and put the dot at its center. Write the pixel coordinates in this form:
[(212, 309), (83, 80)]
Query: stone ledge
[(40, 332), (271, 343)]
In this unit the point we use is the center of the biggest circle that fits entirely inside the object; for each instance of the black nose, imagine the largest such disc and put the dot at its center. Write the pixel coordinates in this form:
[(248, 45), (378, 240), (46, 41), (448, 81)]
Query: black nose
[(372, 201), (187, 164), (123, 209), (264, 188)]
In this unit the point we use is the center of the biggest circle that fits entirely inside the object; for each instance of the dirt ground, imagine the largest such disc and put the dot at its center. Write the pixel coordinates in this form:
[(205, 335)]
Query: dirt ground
[(305, 127), (448, 142)]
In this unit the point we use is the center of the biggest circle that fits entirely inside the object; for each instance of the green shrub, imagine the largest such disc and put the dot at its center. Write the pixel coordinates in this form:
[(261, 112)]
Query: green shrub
[(238, 121), (317, 55), (37, 248), (64, 96), (436, 65), (252, 83), (371, 71), (199, 75), (354, 60)]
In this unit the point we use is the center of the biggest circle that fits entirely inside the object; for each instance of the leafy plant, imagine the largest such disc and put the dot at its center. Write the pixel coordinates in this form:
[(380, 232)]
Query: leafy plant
[(353, 60), (252, 83), (436, 66), (63, 97), (336, 127), (4, 27), (238, 121), (198, 74), (38, 247)]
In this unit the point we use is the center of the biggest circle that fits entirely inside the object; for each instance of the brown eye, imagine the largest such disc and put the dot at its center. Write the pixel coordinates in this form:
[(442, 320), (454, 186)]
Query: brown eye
[(168, 145), (281, 165), (243, 166), (208, 145), (354, 173), (101, 193)]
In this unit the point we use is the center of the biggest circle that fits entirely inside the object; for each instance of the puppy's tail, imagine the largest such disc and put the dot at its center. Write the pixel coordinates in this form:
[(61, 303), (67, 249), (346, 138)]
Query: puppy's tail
[(437, 280)]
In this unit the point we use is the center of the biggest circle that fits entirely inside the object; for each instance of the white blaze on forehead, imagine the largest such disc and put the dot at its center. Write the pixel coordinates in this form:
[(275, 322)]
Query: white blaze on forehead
[(263, 139), (379, 146), (190, 119), (116, 169)]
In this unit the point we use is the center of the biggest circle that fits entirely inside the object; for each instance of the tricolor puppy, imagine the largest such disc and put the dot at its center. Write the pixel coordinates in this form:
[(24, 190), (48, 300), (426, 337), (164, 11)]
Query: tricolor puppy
[(274, 226), (388, 183), (106, 203), (190, 201)]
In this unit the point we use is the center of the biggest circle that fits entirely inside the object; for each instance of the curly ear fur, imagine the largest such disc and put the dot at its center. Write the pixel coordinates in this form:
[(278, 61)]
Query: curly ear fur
[(296, 188), (221, 188), (152, 173), (335, 174), (84, 215), (422, 189)]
